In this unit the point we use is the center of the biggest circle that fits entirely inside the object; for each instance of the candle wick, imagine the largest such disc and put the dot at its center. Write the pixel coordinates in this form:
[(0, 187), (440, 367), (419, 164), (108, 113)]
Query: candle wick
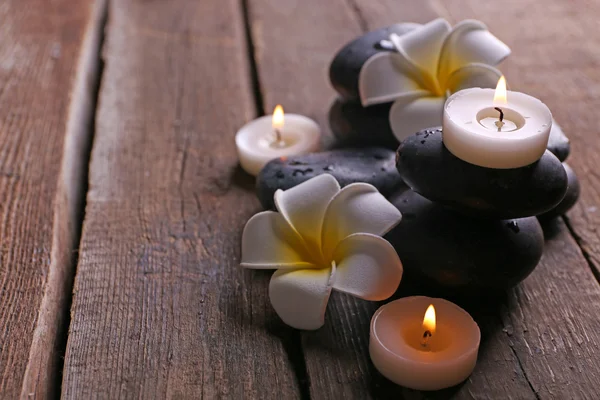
[(501, 113), (425, 340), (278, 143), (499, 124)]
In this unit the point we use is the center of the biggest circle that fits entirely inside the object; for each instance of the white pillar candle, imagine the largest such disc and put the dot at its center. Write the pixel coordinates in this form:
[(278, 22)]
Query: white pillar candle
[(269, 137), (413, 350), (496, 129)]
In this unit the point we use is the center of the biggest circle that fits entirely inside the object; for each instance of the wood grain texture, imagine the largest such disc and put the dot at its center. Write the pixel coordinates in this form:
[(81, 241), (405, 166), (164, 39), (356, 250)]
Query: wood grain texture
[(294, 41), (376, 14), (48, 64), (161, 308), (539, 341)]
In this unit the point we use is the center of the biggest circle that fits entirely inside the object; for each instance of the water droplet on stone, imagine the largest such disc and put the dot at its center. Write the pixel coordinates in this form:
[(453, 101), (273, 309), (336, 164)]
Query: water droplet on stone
[(297, 163), (514, 226), (302, 171)]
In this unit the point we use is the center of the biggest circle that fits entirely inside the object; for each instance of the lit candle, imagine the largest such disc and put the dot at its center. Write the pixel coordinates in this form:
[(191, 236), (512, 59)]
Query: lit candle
[(496, 129), (266, 138), (424, 343)]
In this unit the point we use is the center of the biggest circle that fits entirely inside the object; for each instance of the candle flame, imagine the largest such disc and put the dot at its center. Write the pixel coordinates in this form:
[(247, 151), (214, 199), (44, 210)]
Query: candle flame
[(278, 117), (500, 94), (429, 320)]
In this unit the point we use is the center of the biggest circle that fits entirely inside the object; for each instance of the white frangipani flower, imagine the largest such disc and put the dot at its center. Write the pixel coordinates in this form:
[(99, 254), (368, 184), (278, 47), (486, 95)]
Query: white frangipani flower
[(431, 62), (323, 238)]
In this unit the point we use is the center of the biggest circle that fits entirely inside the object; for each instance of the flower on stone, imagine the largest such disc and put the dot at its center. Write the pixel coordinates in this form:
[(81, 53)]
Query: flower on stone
[(430, 62), (323, 238)]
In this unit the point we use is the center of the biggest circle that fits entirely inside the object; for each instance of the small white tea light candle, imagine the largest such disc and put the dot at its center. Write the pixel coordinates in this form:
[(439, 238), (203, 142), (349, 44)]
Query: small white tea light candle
[(496, 129), (266, 138), (424, 343)]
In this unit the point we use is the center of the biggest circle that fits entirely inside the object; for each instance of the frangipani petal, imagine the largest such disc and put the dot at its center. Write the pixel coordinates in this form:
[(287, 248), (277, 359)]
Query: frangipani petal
[(268, 242), (357, 208), (300, 296), (304, 205), (367, 267), (470, 42), (385, 77), (408, 116), (423, 45), (473, 75)]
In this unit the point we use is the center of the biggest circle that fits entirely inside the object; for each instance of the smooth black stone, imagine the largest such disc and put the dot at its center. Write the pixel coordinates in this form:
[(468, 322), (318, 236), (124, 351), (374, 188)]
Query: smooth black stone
[(345, 66), (371, 165), (558, 142), (573, 191), (431, 170), (351, 122), (456, 254)]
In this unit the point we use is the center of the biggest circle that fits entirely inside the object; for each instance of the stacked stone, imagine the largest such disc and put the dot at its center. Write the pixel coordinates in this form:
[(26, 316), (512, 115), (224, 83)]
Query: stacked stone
[(466, 230), (471, 229)]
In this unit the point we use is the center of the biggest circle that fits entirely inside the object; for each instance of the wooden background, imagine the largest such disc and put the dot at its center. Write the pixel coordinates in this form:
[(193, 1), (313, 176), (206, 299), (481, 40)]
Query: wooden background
[(119, 184)]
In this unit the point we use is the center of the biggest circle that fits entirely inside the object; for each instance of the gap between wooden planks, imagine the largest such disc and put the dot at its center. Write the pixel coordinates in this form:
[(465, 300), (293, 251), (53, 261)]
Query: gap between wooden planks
[(542, 342), (48, 70)]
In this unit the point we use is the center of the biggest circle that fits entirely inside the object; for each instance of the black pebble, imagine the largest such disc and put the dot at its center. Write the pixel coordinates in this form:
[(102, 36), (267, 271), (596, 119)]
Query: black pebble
[(431, 170), (345, 66), (570, 198), (456, 254), (371, 165), (370, 126)]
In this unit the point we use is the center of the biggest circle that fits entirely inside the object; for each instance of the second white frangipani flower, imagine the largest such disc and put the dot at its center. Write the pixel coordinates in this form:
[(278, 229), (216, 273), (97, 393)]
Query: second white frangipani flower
[(430, 62), (323, 238)]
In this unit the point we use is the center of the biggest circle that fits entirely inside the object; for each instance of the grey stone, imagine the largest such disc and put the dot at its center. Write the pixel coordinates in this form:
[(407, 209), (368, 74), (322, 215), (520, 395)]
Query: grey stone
[(431, 170), (371, 165), (461, 255)]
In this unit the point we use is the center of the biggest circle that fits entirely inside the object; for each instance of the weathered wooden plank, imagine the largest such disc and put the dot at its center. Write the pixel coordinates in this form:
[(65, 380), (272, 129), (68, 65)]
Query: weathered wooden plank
[(539, 341), (376, 14), (293, 44), (161, 308), (48, 65)]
